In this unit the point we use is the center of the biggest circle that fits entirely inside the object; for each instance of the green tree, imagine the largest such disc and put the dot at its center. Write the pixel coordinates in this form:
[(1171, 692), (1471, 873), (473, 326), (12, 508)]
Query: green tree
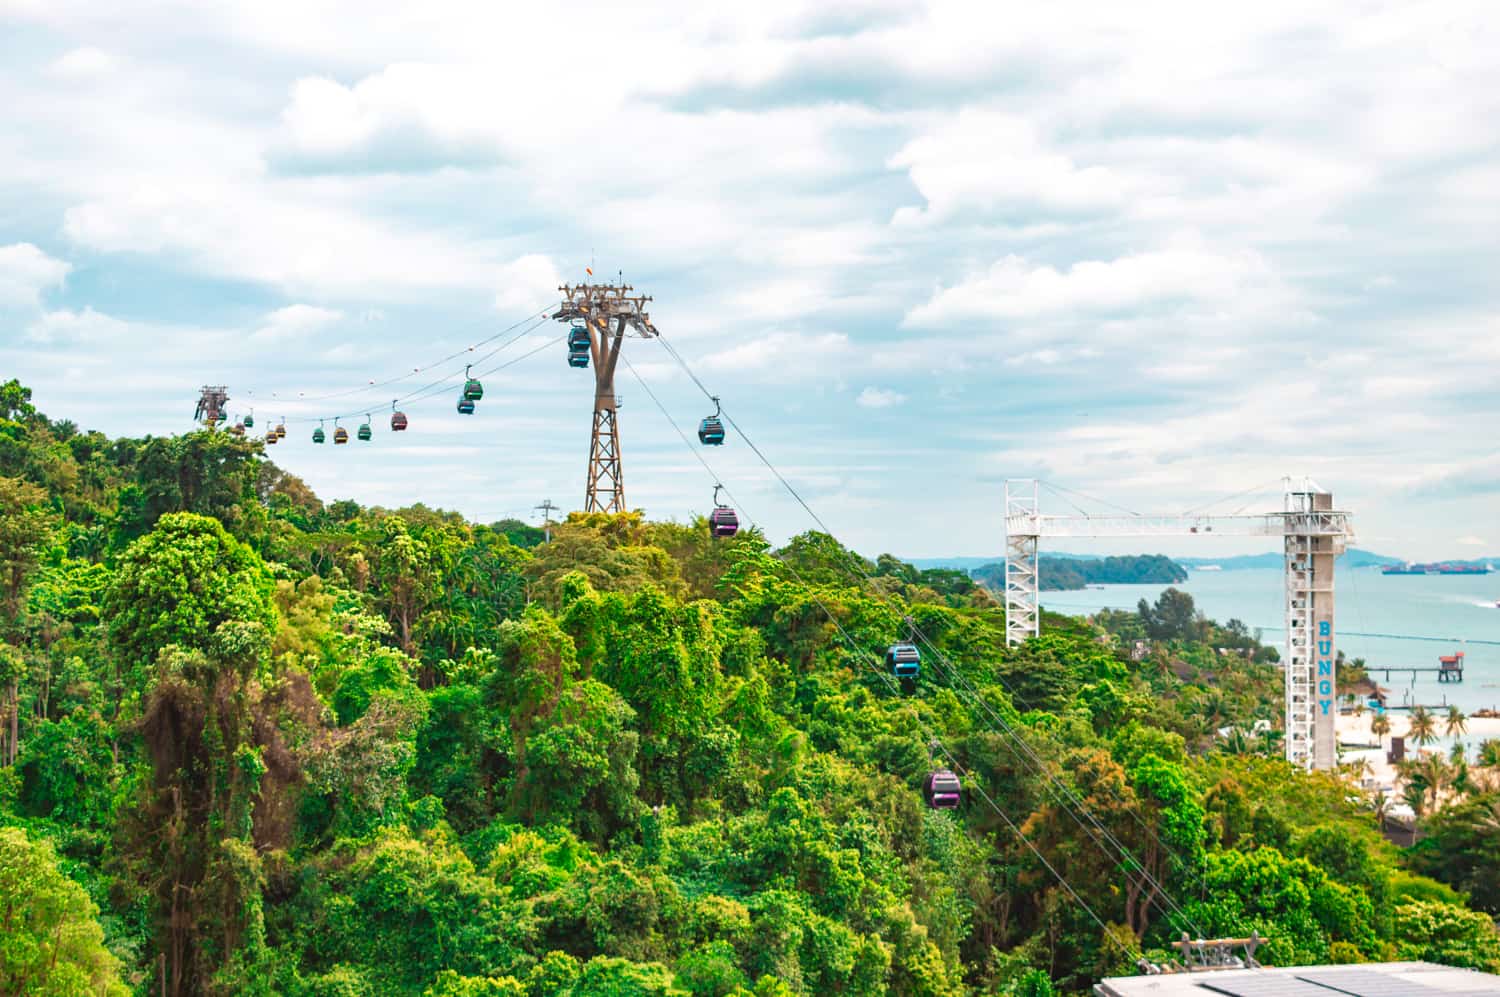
[(177, 584), (25, 526), (1447, 934), (52, 943), (1461, 846)]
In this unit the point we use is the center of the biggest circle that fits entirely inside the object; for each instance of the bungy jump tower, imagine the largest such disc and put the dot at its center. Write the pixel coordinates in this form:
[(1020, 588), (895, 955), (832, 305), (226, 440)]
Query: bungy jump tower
[(1313, 534)]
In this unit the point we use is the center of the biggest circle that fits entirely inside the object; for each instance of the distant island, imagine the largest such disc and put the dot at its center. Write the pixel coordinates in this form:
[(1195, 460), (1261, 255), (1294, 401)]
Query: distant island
[(1059, 574), (1270, 560)]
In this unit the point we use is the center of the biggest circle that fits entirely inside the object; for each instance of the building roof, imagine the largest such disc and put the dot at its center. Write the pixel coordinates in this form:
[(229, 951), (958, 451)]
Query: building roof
[(1375, 979)]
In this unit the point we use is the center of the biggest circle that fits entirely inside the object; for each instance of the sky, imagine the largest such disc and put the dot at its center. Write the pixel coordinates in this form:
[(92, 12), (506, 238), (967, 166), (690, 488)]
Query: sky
[(1158, 255)]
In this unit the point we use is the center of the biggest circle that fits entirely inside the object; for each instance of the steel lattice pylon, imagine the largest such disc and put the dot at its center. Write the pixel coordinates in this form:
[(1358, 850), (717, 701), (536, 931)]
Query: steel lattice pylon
[(608, 312), (606, 492)]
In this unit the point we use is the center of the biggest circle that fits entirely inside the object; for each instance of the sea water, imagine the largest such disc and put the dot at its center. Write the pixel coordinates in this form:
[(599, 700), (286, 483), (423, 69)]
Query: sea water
[(1449, 612)]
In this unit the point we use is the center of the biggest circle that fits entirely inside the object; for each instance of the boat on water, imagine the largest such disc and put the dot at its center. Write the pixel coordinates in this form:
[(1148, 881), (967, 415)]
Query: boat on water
[(1440, 568)]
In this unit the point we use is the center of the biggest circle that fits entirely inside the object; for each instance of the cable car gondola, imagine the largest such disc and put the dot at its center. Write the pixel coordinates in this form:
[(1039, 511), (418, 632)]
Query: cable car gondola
[(340, 434), (250, 420), (318, 435), (398, 419), (904, 660), (942, 790), (578, 338), (364, 429), (465, 405), (281, 429), (271, 437), (473, 390), (722, 522), (711, 429)]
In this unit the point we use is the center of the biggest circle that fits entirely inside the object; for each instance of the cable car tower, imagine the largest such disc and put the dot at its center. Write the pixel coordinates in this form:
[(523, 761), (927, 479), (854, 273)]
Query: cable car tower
[(1312, 532), (607, 312), (211, 402)]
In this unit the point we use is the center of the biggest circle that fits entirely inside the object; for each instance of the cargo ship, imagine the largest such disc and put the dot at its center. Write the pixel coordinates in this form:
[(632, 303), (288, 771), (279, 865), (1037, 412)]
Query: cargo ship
[(1443, 568)]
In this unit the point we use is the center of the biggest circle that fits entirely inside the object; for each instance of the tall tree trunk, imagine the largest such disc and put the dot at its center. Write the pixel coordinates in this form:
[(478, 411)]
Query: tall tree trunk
[(15, 720)]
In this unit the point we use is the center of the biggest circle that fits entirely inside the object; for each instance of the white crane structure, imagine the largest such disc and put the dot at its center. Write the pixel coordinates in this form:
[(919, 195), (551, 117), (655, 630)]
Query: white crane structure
[(1312, 532)]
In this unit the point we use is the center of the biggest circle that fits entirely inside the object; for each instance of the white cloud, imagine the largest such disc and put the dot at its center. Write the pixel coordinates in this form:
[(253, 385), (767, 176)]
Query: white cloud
[(988, 161), (86, 325), (26, 271), (527, 283), (1472, 541), (879, 398), (784, 354), (1014, 288), (1014, 182), (409, 116), (294, 322), (84, 62)]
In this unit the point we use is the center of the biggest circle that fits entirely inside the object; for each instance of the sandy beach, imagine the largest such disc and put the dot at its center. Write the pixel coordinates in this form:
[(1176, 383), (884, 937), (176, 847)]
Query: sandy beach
[(1354, 731)]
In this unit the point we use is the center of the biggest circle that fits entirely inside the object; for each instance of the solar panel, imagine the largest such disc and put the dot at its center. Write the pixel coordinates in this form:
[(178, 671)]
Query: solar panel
[(1266, 986), (1369, 983)]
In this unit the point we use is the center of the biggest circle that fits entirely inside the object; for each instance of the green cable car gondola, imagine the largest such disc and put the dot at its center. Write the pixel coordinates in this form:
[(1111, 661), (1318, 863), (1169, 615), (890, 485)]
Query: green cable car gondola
[(473, 390), (250, 420), (364, 429), (318, 435)]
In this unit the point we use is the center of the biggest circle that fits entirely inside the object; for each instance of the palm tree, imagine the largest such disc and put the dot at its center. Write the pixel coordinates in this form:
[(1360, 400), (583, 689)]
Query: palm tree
[(1414, 795), (1489, 752), (1380, 725), (1422, 727), (1437, 773), (1455, 723)]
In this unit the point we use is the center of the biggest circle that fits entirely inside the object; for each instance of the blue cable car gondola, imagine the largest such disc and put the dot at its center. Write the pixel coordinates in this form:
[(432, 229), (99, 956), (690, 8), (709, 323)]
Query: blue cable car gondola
[(465, 405), (711, 429), (722, 522), (904, 660), (578, 338), (942, 790)]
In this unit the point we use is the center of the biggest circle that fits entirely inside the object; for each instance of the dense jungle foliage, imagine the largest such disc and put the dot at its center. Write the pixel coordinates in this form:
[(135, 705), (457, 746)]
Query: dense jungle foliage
[(256, 743)]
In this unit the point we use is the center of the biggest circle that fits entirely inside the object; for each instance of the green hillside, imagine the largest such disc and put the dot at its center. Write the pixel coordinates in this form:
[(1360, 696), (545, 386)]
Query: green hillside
[(256, 742)]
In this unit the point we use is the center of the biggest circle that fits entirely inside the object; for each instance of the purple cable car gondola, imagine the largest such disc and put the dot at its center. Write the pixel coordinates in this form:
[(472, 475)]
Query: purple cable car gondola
[(942, 790), (722, 522)]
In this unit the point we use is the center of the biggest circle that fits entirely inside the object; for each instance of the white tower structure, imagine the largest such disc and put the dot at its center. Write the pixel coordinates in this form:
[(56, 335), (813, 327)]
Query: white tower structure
[(1313, 534)]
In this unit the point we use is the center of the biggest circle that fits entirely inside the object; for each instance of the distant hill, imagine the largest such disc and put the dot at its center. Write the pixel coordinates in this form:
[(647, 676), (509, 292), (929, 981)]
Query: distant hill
[(1058, 574), (1353, 558)]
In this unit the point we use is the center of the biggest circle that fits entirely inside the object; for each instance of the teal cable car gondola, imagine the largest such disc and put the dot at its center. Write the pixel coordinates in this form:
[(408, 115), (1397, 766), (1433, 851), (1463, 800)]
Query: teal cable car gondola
[(473, 390), (711, 429)]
